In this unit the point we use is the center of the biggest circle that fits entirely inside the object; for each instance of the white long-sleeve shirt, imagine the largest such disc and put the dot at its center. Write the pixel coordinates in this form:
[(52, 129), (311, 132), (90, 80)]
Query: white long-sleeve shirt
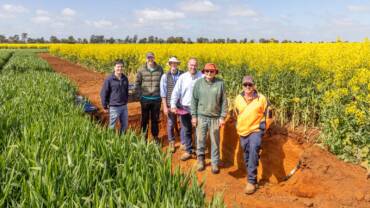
[(184, 88)]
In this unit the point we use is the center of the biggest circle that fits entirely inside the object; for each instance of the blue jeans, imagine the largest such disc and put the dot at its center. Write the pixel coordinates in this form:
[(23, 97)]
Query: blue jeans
[(118, 112), (186, 132), (171, 123), (213, 125), (251, 146)]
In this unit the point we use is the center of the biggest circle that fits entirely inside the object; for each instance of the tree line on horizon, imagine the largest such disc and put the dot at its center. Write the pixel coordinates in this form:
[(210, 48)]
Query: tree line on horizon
[(24, 38)]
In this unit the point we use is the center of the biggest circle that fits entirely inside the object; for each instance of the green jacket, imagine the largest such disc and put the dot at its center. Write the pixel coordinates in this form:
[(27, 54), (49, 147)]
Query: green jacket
[(209, 99), (148, 83)]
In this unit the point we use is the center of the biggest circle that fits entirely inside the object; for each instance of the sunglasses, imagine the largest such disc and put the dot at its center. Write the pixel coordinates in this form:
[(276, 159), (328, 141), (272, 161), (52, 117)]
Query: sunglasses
[(248, 85), (210, 71)]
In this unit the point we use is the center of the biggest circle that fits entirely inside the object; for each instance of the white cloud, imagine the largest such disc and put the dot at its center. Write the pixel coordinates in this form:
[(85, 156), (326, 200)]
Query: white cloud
[(358, 8), (200, 6), (149, 15), (41, 12), (58, 25), (343, 22), (9, 8), (68, 12), (101, 24), (11, 11), (41, 19), (242, 12)]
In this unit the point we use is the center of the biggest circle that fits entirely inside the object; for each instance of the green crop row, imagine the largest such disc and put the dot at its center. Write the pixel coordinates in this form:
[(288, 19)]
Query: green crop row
[(4, 57), (51, 155), (23, 61)]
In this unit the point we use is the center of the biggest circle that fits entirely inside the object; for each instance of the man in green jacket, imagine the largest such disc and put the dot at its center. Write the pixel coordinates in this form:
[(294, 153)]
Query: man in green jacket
[(148, 88), (208, 111)]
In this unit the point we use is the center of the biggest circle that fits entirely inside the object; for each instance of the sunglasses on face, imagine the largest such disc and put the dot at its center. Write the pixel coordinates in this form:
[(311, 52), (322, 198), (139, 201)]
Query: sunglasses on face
[(209, 71), (248, 85)]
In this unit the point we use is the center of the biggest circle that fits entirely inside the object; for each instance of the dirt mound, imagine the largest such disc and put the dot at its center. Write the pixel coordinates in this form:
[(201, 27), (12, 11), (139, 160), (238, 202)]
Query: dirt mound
[(321, 181)]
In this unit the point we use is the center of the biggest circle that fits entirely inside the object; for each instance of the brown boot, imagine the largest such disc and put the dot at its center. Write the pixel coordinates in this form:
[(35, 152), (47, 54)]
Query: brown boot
[(185, 156), (250, 188), (171, 147), (215, 169), (200, 165)]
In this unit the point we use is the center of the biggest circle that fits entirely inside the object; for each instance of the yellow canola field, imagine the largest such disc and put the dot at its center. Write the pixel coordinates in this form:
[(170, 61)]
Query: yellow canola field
[(325, 85)]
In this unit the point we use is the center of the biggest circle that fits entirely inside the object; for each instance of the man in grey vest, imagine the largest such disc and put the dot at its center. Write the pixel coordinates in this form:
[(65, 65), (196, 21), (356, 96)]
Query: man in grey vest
[(147, 86), (168, 82)]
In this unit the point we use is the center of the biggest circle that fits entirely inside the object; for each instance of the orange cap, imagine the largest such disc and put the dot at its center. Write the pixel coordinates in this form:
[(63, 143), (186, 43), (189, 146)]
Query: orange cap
[(210, 66)]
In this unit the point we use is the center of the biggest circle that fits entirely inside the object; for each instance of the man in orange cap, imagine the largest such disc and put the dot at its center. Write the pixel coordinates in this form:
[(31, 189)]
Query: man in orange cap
[(208, 111)]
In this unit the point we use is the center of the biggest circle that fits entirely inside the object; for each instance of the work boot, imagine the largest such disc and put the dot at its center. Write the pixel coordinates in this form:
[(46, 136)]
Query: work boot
[(200, 165), (171, 147), (157, 141), (215, 169), (250, 188), (185, 156)]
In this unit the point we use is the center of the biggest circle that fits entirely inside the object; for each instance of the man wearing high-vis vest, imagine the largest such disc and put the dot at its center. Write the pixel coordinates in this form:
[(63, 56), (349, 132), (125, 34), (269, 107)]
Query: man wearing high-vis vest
[(250, 109)]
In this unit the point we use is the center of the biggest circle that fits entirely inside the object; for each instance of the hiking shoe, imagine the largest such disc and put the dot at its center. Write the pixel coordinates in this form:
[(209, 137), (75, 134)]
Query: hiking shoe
[(250, 188), (215, 169), (171, 147), (185, 156), (200, 165)]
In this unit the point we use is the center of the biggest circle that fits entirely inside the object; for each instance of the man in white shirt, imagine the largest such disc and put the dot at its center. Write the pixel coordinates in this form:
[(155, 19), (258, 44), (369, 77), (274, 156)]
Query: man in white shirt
[(183, 92)]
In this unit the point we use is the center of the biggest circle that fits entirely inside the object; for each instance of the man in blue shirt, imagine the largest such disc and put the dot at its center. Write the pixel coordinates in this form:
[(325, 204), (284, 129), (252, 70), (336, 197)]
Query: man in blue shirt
[(114, 97), (167, 84), (183, 93)]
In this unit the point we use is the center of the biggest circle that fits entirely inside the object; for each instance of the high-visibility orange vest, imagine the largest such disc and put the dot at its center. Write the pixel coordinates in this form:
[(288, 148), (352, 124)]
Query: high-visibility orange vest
[(254, 116)]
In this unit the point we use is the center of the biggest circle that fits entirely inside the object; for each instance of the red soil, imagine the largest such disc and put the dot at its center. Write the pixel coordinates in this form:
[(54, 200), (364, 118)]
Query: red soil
[(322, 180)]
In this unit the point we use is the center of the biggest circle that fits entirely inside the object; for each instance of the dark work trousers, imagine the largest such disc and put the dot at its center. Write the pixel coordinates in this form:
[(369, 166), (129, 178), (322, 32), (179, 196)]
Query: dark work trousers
[(150, 109), (251, 146), (186, 132)]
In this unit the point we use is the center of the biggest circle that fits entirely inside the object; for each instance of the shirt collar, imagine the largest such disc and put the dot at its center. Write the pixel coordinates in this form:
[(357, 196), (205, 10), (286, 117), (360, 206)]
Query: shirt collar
[(255, 94), (114, 76)]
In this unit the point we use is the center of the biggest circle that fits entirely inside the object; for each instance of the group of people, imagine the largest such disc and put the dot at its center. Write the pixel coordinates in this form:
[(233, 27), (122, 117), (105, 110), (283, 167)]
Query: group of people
[(198, 99)]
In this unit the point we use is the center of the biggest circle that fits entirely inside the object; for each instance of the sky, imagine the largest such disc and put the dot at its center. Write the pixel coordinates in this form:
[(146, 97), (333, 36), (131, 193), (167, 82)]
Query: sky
[(306, 20)]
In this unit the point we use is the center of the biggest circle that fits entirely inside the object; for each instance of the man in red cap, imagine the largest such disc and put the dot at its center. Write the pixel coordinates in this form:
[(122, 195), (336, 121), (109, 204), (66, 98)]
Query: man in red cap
[(208, 111), (250, 109)]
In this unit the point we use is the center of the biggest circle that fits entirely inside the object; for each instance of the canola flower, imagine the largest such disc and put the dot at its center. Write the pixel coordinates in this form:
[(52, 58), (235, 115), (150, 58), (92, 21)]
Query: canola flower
[(325, 85)]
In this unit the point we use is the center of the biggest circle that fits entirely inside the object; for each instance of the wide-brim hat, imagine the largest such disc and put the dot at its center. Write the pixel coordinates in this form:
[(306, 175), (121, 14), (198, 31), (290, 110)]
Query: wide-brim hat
[(173, 60)]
